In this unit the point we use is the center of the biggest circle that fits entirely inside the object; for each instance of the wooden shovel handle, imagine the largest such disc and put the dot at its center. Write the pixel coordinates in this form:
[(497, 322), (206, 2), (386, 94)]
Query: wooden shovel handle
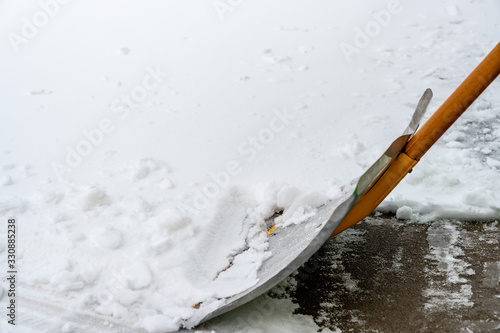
[(455, 105), (430, 132)]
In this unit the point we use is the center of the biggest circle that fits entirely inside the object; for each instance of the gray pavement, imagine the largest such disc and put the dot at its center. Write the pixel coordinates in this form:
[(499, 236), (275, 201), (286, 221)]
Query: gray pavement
[(386, 275)]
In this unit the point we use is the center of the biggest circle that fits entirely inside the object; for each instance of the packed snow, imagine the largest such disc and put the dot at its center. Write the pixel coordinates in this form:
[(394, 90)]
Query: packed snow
[(132, 132), (442, 241)]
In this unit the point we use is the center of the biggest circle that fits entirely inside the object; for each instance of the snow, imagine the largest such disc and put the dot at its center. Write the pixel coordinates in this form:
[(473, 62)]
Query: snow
[(404, 213), (131, 133), (159, 324), (492, 162), (443, 242), (297, 205)]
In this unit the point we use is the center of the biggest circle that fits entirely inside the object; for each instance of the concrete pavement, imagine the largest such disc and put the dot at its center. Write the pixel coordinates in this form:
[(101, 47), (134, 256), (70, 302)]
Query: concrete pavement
[(387, 275)]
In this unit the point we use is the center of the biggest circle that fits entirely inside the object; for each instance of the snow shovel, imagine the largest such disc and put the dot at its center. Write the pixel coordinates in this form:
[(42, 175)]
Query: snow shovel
[(295, 244), (424, 139)]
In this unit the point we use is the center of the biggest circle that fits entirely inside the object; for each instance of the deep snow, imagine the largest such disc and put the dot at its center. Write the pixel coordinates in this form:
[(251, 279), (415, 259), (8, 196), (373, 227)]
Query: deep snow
[(129, 130)]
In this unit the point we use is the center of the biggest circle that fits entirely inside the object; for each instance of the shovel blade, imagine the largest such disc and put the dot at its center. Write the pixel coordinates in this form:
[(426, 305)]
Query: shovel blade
[(293, 245)]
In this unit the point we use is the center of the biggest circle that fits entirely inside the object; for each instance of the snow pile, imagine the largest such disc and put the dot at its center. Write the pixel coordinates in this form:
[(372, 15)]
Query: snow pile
[(297, 205), (155, 265), (404, 213)]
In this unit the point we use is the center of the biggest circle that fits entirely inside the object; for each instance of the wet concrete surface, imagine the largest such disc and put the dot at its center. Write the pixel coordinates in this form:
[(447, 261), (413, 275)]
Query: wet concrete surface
[(386, 275)]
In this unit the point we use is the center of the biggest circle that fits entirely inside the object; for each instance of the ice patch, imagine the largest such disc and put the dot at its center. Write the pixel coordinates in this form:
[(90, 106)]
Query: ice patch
[(454, 291)]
